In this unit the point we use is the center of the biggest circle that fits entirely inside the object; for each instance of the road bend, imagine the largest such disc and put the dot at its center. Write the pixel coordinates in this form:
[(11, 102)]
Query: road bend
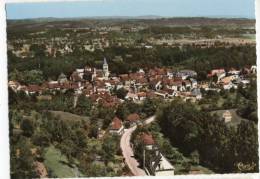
[(127, 150)]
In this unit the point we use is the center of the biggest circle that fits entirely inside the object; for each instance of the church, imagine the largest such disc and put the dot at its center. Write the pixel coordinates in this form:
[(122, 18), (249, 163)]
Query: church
[(90, 73), (105, 69)]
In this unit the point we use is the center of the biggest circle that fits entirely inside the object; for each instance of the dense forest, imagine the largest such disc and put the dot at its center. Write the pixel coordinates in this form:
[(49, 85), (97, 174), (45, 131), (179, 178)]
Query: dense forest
[(200, 60), (220, 147)]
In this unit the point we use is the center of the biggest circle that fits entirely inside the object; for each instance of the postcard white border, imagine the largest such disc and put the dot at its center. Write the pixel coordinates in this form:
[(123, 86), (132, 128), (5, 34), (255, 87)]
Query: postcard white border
[(4, 130)]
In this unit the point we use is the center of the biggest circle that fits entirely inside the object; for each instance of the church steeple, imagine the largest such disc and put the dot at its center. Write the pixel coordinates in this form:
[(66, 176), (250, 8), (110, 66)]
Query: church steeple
[(105, 68), (105, 61)]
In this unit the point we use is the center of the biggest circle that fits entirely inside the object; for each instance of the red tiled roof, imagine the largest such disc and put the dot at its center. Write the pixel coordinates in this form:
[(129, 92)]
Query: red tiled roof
[(169, 91), (53, 85), (187, 82), (141, 94), (177, 83), (34, 88), (147, 139), (44, 85), (65, 85), (116, 124), (133, 117), (216, 71), (150, 94), (141, 80), (93, 97)]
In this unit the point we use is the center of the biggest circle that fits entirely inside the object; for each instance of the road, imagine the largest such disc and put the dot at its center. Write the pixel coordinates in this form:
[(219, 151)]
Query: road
[(127, 150)]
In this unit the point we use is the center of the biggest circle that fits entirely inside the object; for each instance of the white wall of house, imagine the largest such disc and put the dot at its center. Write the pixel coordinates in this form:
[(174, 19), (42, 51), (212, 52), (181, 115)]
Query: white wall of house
[(117, 132)]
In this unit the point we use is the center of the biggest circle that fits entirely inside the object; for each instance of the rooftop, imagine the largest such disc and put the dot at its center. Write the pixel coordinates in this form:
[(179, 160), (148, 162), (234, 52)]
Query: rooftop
[(116, 124)]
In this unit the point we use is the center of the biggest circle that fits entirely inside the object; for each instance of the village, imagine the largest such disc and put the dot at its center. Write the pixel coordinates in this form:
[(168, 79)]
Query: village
[(98, 85), (165, 83)]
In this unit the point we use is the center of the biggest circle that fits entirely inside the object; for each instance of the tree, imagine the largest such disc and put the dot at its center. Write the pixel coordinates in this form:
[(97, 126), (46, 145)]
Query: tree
[(67, 149), (202, 76), (14, 75), (121, 93), (107, 114), (84, 105), (215, 144), (247, 145), (195, 157), (122, 111), (31, 77), (96, 170), (28, 127), (110, 147), (12, 96), (179, 122), (150, 105), (22, 162), (41, 138)]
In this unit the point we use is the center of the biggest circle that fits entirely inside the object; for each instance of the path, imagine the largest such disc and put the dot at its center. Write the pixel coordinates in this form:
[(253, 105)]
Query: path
[(127, 150)]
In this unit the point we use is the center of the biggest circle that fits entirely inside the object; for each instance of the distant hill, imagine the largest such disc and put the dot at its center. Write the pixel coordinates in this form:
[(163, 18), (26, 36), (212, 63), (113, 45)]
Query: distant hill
[(49, 23)]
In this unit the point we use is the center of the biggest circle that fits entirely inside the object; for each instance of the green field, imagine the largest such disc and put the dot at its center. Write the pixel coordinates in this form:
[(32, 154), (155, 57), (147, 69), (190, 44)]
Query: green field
[(249, 36), (57, 163), (69, 116)]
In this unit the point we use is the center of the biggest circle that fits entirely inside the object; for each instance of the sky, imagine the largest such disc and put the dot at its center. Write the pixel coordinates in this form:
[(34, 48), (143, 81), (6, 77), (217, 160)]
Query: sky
[(166, 8)]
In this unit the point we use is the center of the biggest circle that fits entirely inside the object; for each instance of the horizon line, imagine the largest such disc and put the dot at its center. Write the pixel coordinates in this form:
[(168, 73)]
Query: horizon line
[(137, 17)]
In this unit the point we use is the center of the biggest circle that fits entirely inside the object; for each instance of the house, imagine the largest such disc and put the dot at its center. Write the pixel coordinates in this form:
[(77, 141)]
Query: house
[(157, 165), (76, 77), (141, 83), (253, 69), (14, 85), (227, 116), (141, 96), (186, 85), (161, 93), (62, 78), (221, 75), (245, 82), (233, 71), (32, 89), (228, 86), (133, 118), (80, 72), (164, 168), (194, 83), (116, 127), (216, 72), (245, 71), (184, 74), (177, 85), (156, 84), (196, 93), (148, 141), (170, 93), (53, 85), (131, 96), (126, 80), (23, 88), (151, 94)]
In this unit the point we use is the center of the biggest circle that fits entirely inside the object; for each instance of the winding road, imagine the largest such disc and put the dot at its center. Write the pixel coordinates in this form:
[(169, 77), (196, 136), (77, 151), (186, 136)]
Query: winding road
[(127, 150)]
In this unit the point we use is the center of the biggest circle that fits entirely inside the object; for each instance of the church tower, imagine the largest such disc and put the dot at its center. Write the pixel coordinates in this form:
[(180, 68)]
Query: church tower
[(105, 69)]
